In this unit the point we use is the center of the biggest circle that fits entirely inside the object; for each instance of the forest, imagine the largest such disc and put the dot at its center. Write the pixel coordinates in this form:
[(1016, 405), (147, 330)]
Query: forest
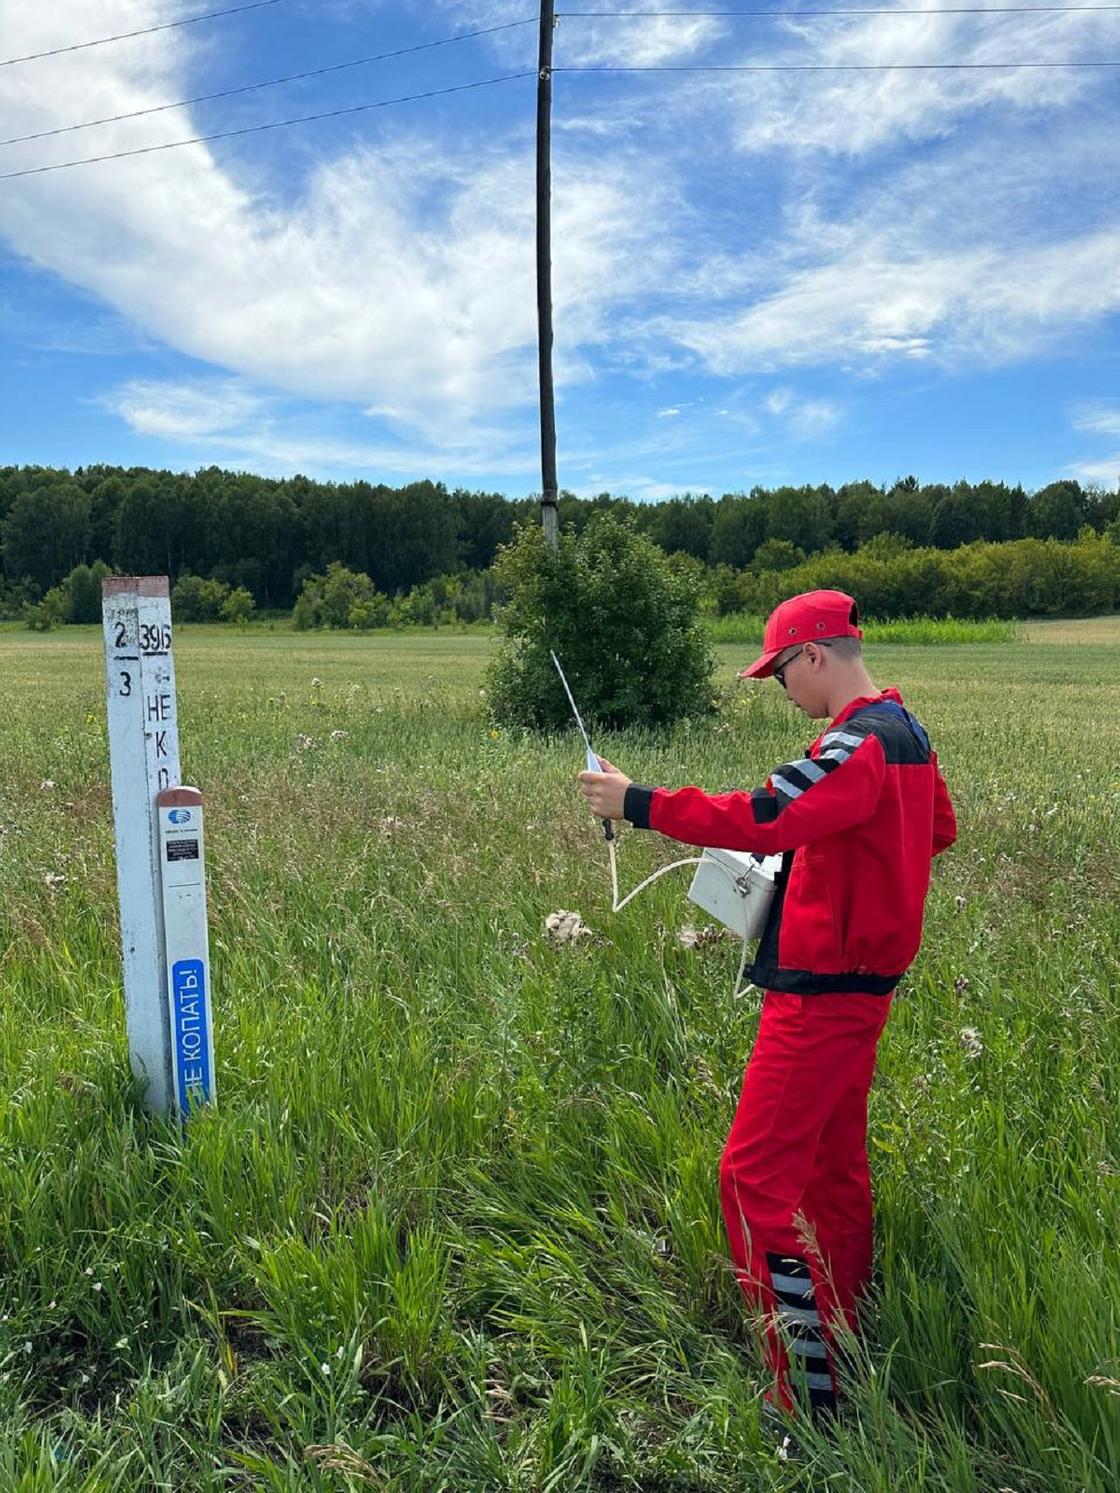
[(264, 539)]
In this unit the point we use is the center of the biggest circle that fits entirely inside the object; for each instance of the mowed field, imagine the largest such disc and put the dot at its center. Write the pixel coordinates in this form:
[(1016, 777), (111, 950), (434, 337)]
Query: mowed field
[(454, 1224)]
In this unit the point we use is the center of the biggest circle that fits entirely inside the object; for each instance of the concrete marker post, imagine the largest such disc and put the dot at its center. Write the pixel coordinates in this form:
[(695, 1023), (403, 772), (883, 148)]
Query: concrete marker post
[(144, 757)]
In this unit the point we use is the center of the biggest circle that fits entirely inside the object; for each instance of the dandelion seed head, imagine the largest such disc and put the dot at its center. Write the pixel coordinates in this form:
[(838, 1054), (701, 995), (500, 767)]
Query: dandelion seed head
[(970, 1041)]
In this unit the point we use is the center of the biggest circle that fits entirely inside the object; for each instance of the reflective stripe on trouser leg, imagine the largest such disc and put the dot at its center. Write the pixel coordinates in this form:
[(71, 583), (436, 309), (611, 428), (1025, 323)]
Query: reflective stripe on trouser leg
[(801, 1325)]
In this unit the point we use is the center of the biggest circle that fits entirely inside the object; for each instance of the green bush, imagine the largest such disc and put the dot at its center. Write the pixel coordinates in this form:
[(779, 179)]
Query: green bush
[(341, 598), (76, 599), (196, 600), (623, 619), (238, 606), (83, 588), (447, 600), (45, 614), (777, 554), (1020, 578)]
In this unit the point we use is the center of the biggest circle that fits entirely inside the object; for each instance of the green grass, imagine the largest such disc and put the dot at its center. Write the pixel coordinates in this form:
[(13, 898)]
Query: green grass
[(473, 1176), (747, 628)]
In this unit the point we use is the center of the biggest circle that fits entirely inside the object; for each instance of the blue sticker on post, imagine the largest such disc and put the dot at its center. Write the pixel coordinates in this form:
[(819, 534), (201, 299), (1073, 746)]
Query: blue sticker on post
[(191, 1035)]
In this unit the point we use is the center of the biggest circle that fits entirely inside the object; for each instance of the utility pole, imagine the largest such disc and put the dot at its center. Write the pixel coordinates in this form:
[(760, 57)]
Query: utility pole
[(544, 272)]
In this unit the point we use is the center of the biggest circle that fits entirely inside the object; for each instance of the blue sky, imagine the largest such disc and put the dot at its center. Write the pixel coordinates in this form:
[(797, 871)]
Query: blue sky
[(759, 277)]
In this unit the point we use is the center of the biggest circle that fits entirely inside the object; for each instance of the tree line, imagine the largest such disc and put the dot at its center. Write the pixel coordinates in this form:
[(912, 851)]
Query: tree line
[(268, 536)]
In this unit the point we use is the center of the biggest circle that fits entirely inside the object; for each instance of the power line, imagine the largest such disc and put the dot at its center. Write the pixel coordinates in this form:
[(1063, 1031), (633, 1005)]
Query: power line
[(835, 67), (276, 124), (78, 46), (318, 72), (797, 15)]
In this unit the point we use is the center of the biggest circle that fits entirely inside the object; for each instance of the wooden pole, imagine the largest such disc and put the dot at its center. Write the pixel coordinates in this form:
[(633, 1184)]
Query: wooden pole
[(544, 273)]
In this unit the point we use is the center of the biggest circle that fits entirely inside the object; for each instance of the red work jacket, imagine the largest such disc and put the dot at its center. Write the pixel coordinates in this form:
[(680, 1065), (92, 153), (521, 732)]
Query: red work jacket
[(859, 819)]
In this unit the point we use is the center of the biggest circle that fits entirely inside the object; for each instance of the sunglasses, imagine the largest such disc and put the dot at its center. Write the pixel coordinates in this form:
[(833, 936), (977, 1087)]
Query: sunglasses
[(780, 674)]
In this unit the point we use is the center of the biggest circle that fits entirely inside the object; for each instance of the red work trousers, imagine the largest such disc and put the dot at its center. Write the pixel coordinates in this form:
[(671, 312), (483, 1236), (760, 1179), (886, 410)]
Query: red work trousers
[(795, 1184)]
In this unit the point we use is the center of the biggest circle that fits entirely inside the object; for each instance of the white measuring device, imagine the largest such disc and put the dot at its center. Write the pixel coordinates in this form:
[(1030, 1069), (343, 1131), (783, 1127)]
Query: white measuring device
[(735, 886)]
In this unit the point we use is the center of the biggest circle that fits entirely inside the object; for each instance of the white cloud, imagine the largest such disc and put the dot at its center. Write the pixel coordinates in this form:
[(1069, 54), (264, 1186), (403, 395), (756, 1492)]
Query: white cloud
[(398, 278), (224, 419), (640, 487), (651, 43), (596, 41), (813, 419), (1098, 419), (402, 278), (852, 113), (868, 308), (184, 411)]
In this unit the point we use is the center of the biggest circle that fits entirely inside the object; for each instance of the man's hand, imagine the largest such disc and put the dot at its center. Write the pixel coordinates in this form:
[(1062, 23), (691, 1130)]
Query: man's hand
[(605, 791)]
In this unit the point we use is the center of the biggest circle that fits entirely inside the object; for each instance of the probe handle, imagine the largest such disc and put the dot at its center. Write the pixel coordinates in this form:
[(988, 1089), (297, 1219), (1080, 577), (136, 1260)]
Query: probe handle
[(608, 830)]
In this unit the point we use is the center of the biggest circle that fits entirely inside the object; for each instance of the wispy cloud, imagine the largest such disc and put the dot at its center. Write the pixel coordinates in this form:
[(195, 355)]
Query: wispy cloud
[(220, 418), (402, 279), (738, 229), (869, 310), (853, 113), (1099, 418)]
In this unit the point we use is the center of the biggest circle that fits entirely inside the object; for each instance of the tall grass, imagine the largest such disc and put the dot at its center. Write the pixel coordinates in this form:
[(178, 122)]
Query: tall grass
[(454, 1223), (745, 627)]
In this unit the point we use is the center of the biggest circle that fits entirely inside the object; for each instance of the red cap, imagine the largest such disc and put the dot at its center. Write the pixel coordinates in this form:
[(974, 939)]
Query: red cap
[(808, 618)]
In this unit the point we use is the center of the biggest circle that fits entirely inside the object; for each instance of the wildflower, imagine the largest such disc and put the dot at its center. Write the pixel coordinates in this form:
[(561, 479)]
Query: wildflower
[(960, 985), (316, 684), (696, 938), (960, 904), (53, 879), (970, 1041), (339, 735), (326, 1368), (565, 927), (97, 1285), (46, 785)]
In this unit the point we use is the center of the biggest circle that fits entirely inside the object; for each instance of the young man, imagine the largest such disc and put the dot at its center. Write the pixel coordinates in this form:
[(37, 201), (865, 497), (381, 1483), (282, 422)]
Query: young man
[(858, 819)]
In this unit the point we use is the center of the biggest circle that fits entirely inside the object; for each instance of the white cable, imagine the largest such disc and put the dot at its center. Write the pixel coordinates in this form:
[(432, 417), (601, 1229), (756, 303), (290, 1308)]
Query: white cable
[(693, 860)]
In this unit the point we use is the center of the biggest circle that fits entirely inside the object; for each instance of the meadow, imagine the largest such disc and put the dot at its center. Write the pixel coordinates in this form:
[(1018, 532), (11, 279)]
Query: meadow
[(453, 1224)]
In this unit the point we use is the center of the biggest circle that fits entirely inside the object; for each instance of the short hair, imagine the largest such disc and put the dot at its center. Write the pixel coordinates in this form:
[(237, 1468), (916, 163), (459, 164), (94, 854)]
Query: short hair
[(844, 647)]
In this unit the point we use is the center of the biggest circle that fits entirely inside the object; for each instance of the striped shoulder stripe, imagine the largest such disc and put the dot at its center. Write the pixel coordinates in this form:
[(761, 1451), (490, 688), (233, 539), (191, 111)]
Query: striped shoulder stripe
[(793, 779), (837, 746), (846, 737)]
